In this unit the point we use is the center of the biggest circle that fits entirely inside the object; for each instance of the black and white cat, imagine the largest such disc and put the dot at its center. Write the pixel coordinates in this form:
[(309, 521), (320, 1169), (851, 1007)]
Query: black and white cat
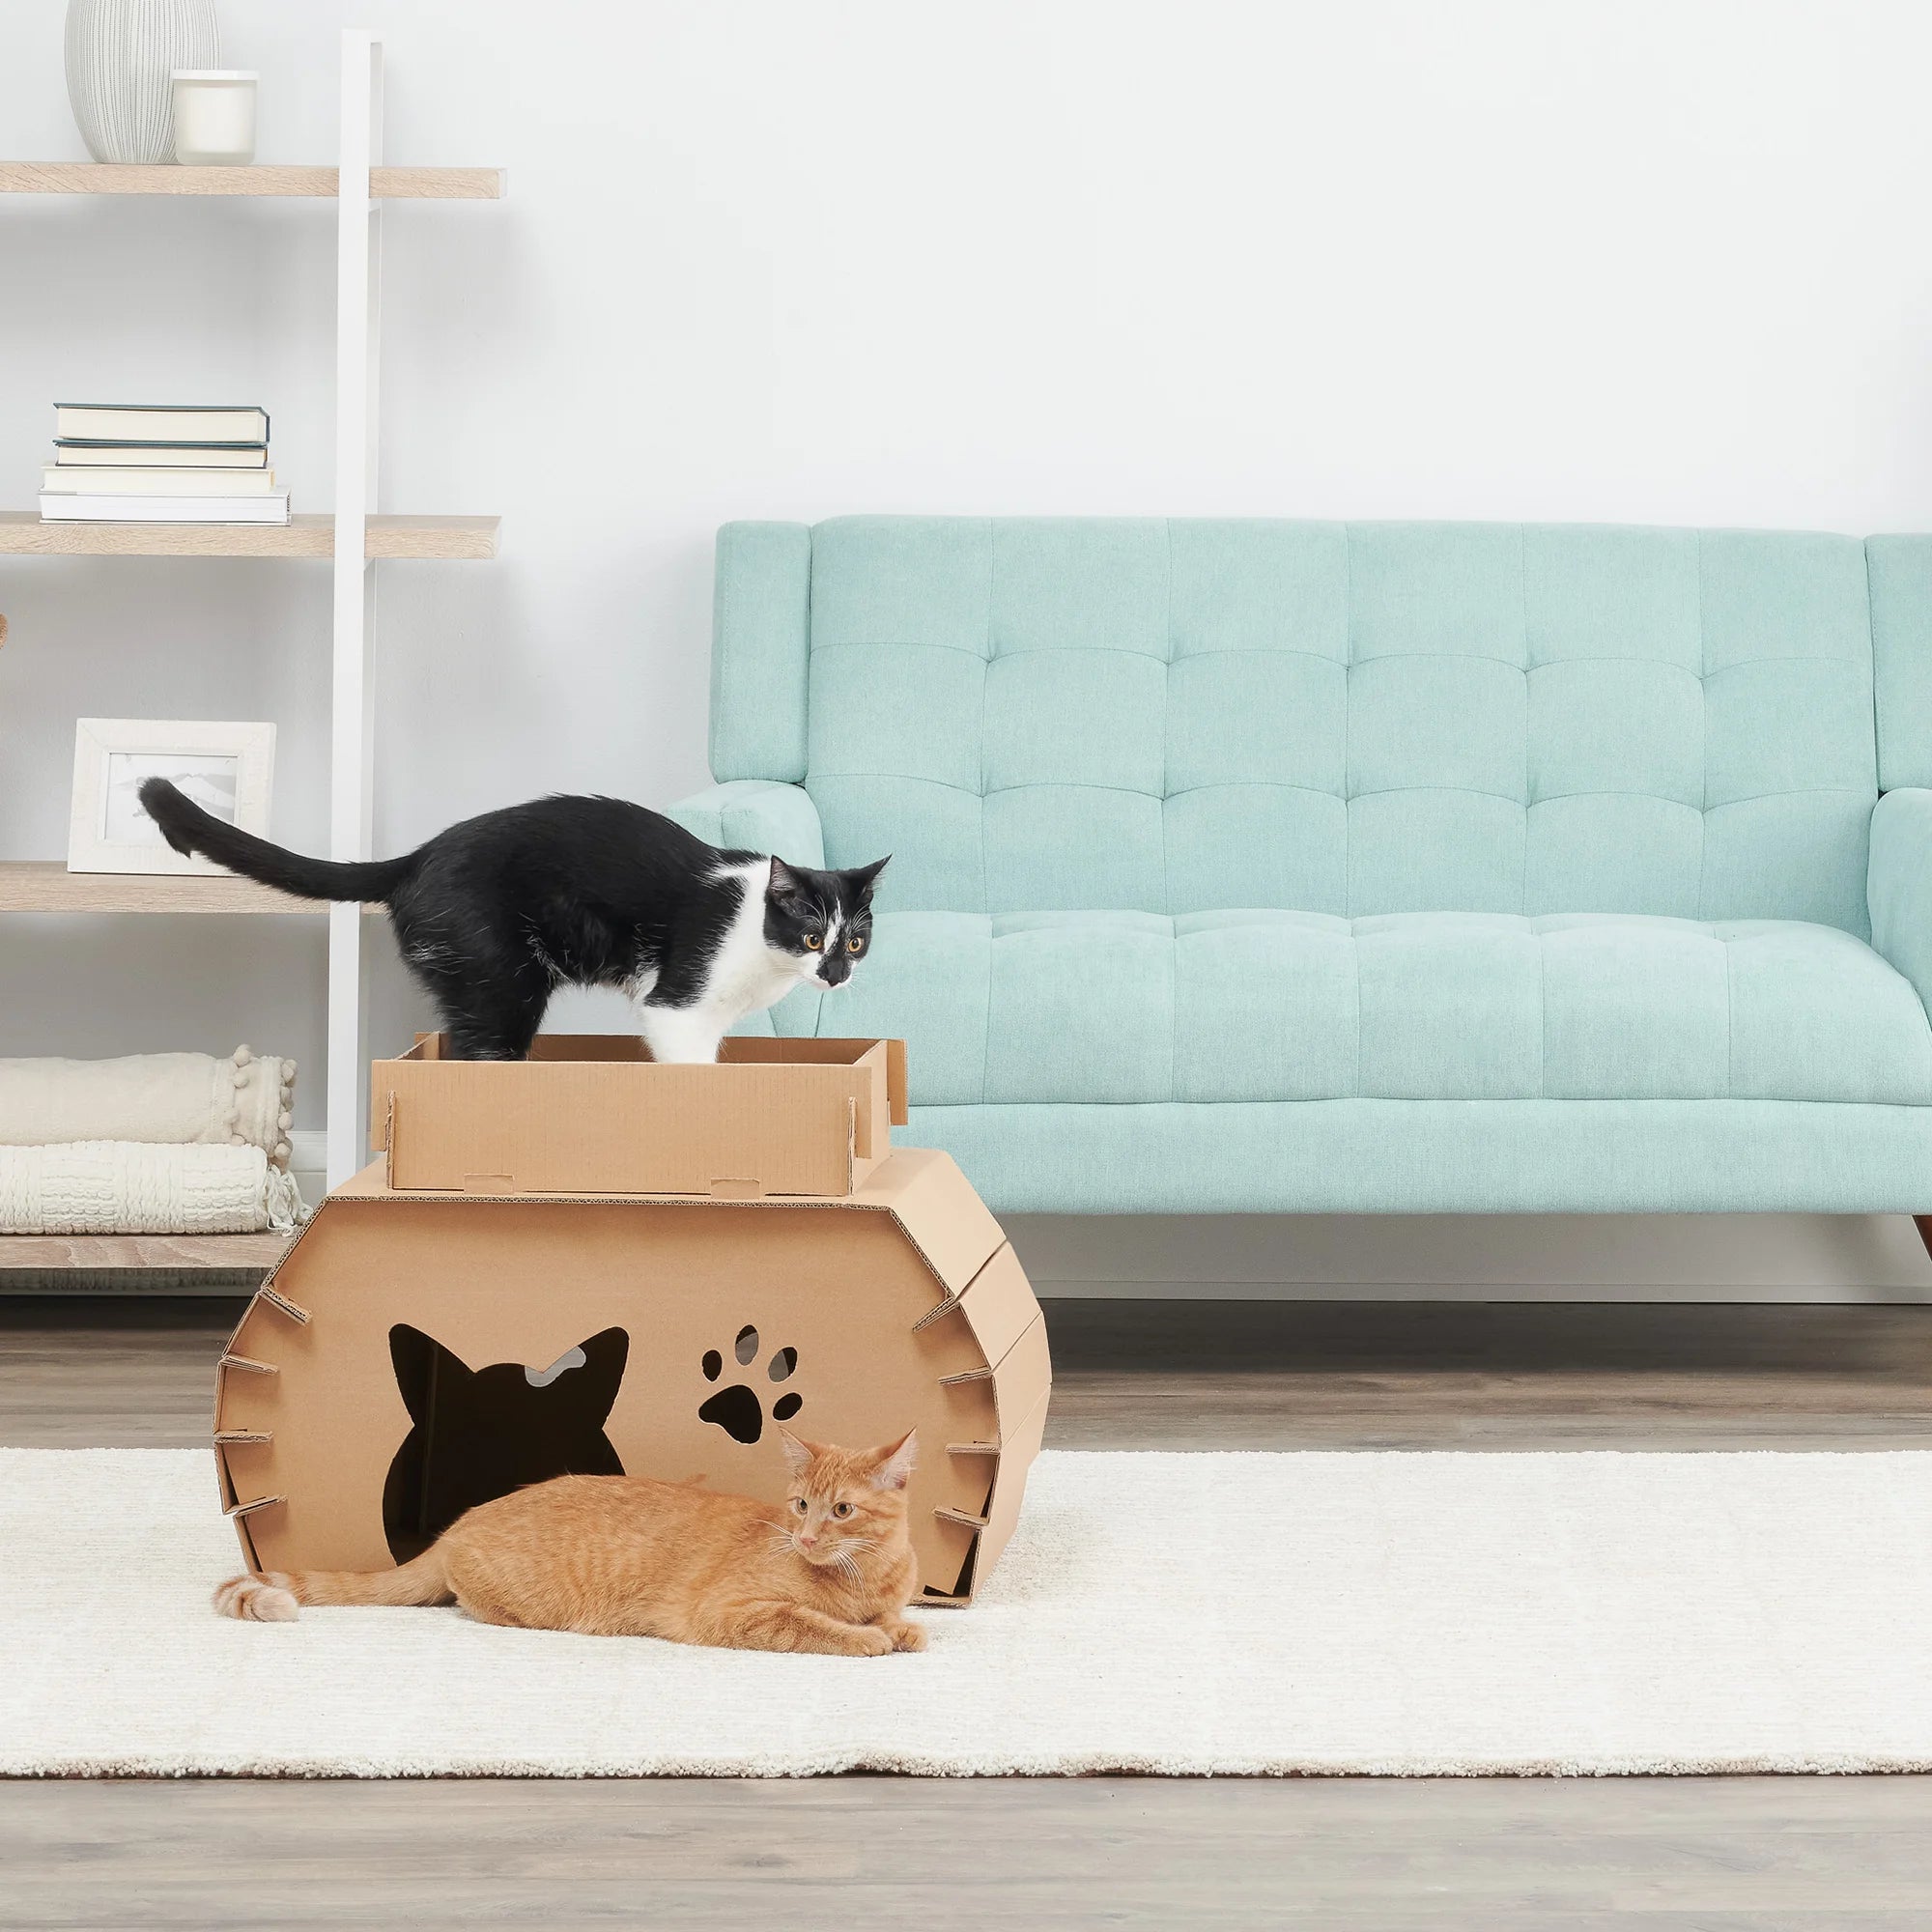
[(496, 913)]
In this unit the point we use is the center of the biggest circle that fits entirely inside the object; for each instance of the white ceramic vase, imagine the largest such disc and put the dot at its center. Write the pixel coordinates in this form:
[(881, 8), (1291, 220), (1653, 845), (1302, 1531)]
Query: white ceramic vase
[(120, 55)]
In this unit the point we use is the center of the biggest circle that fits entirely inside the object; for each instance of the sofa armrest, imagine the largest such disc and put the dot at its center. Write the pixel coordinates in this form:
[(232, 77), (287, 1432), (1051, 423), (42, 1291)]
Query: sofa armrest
[(1898, 885), (756, 816)]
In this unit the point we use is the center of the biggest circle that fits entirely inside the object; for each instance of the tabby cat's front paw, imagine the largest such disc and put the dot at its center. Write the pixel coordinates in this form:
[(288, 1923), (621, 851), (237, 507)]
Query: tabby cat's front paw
[(869, 1640), (904, 1636)]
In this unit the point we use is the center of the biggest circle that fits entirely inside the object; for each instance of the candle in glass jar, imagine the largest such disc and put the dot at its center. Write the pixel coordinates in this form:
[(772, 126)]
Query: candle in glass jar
[(214, 117)]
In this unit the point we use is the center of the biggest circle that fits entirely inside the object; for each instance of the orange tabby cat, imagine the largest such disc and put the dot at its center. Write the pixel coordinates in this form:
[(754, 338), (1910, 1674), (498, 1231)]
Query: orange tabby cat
[(630, 1556)]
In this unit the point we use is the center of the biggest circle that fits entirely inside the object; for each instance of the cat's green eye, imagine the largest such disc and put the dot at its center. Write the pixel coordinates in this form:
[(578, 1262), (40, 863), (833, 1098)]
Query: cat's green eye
[(842, 1509), (814, 940)]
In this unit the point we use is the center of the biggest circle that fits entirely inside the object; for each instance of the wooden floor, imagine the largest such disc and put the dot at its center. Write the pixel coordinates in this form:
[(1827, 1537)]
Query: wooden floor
[(1719, 1855)]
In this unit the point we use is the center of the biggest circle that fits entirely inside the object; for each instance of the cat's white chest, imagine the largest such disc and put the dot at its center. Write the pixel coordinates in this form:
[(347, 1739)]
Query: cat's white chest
[(745, 974), (746, 981)]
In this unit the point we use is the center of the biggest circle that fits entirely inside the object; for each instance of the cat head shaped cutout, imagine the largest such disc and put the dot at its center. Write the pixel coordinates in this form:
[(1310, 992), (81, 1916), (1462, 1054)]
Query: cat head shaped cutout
[(477, 1434)]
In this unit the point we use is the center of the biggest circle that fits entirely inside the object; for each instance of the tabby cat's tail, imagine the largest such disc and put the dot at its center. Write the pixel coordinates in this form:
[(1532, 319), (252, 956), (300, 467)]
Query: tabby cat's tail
[(270, 1595), (191, 830)]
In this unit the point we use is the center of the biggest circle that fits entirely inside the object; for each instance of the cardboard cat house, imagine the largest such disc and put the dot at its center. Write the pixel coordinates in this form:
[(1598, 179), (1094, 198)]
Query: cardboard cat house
[(602, 1266)]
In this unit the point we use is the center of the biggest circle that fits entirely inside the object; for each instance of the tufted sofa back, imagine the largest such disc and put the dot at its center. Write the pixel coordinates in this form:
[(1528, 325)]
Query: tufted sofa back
[(1175, 717)]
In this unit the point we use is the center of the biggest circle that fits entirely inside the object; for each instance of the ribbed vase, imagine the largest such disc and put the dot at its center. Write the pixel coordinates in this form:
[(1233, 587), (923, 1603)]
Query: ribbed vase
[(121, 56)]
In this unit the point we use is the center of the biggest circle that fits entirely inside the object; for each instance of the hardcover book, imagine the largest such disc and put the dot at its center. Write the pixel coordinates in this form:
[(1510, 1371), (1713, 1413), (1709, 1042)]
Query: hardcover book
[(72, 454), (82, 480), (62, 506), (160, 422)]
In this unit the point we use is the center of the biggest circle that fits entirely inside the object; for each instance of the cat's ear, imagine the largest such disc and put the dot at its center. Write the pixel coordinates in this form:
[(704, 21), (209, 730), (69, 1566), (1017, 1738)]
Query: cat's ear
[(787, 883), (892, 1465), (798, 1456), (422, 1362), (601, 1375), (863, 878)]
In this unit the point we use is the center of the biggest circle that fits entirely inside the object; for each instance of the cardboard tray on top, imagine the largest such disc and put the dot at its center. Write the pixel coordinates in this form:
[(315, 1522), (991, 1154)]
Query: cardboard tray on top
[(594, 1114), (410, 1336)]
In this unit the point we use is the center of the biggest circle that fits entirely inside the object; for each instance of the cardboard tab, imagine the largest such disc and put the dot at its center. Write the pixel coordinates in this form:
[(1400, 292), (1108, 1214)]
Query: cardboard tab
[(276, 1299)]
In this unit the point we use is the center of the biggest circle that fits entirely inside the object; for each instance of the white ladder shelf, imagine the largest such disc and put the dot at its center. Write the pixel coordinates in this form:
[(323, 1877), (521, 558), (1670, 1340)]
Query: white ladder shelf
[(356, 536)]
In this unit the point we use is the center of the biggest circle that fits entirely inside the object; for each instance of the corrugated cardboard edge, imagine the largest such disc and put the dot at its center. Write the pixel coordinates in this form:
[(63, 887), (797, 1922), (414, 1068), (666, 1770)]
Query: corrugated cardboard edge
[(283, 1306)]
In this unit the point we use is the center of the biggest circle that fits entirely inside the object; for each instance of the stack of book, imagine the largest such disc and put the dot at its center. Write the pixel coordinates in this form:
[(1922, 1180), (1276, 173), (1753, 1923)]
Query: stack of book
[(136, 463)]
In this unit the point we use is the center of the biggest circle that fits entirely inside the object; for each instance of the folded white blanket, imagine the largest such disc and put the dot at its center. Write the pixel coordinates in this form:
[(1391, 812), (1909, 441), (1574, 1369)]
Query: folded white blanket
[(128, 1187), (179, 1099)]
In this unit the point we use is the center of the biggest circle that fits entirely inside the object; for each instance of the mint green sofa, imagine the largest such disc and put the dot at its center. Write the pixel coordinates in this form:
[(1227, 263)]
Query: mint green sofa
[(1397, 868)]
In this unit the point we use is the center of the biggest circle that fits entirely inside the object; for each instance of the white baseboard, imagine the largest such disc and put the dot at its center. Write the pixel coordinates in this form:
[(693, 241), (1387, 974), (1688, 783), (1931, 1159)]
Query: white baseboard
[(1802, 1258)]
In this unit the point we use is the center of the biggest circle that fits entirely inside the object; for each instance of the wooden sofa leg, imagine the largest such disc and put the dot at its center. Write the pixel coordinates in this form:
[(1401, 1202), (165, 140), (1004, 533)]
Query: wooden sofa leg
[(1923, 1223)]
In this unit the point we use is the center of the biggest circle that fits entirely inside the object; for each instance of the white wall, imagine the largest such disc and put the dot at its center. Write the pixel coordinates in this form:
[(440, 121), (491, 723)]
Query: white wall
[(1617, 259)]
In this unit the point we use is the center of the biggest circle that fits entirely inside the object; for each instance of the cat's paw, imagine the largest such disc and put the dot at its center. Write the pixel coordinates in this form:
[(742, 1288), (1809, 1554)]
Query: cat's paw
[(255, 1600), (738, 1410), (869, 1640), (904, 1636)]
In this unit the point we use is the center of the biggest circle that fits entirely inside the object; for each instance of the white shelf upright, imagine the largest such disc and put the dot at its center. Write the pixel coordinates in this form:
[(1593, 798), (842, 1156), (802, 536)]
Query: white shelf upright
[(358, 306)]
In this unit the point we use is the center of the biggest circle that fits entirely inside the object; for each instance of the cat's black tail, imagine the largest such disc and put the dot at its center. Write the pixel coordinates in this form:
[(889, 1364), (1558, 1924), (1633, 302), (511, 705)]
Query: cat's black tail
[(191, 830)]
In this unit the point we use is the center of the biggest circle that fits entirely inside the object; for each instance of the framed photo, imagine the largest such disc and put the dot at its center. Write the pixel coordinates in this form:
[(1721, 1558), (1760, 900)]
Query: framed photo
[(225, 769)]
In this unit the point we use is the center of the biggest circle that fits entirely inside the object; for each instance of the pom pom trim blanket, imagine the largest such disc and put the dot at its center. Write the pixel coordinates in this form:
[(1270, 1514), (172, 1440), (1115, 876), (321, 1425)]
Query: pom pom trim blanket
[(176, 1098)]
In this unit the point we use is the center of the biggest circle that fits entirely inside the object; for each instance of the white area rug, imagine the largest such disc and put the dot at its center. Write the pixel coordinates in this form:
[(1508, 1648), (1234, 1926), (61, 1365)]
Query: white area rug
[(1421, 1613)]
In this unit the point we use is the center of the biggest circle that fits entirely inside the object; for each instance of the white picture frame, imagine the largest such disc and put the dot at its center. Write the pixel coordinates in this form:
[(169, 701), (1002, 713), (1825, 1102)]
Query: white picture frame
[(229, 769)]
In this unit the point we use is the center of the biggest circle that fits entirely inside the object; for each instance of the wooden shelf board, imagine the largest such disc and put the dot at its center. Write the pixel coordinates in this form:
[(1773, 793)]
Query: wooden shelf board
[(46, 885), (178, 1253), (448, 539), (385, 183)]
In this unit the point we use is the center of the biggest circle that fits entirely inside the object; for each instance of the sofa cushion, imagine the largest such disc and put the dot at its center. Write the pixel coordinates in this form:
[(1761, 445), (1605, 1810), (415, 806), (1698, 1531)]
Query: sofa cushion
[(1377, 718), (1131, 1007)]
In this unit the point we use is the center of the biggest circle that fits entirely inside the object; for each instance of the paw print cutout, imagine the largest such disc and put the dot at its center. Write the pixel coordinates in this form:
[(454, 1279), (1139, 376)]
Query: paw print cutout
[(739, 1411)]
